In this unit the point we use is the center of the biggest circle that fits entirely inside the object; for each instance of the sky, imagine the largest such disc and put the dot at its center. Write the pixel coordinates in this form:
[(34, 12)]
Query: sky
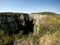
[(30, 6)]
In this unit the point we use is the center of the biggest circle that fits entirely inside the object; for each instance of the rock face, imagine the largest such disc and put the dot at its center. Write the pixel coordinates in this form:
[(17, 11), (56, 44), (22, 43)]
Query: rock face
[(37, 17), (14, 22)]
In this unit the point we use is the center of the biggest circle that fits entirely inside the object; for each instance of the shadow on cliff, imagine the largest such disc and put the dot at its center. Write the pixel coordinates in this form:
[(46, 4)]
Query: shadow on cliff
[(16, 23)]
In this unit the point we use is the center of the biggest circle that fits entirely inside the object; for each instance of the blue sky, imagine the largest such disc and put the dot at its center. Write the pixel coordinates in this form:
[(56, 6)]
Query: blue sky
[(29, 6)]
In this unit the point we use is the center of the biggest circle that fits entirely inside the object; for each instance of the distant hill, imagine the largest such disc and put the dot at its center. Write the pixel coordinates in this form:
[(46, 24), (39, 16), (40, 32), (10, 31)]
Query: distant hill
[(46, 13), (43, 13), (10, 13)]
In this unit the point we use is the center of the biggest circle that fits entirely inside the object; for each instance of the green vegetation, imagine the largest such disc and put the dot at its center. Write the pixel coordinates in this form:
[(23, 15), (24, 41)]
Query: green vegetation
[(46, 32)]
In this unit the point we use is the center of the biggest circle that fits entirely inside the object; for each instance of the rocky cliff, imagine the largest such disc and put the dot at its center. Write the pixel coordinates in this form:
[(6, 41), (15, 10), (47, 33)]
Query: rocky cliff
[(45, 28), (14, 22)]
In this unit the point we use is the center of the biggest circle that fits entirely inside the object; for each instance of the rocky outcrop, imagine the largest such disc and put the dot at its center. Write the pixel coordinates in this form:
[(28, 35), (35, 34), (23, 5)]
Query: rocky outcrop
[(14, 22), (36, 20)]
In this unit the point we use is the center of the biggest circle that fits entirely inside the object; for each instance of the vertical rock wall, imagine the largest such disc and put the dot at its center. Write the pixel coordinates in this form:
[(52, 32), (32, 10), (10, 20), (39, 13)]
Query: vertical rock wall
[(13, 23)]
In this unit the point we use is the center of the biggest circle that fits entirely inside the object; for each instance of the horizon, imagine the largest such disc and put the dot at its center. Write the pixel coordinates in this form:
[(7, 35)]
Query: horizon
[(30, 6), (24, 12)]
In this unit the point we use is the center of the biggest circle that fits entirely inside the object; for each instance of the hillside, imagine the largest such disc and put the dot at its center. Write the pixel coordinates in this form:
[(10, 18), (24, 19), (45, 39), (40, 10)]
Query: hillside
[(47, 28), (46, 31), (46, 13)]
